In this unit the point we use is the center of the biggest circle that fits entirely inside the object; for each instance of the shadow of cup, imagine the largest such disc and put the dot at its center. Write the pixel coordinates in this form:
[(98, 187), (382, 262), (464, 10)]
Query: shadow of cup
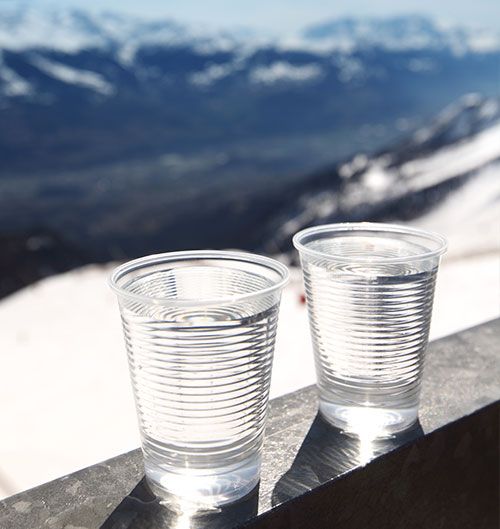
[(328, 452), (142, 510)]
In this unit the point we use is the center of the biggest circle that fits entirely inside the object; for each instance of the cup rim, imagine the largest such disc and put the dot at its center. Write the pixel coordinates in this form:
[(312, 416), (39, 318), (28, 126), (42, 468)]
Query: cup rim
[(373, 227), (187, 255)]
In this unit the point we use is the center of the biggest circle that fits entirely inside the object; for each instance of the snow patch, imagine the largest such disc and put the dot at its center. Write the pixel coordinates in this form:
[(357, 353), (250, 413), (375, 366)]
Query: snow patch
[(484, 41), (377, 178), (284, 71), (13, 84), (67, 74), (489, 109), (422, 65), (350, 68), (211, 74), (461, 119), (358, 163)]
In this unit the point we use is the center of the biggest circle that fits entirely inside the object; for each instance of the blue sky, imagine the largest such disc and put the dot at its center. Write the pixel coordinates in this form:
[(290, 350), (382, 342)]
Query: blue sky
[(290, 15)]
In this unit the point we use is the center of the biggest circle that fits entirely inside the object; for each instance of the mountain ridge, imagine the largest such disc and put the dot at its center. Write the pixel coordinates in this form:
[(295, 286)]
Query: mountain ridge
[(40, 34), (403, 181), (70, 29), (79, 89)]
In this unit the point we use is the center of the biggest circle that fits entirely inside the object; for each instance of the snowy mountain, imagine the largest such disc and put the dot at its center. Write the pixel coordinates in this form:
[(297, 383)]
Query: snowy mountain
[(62, 34), (123, 136), (399, 33), (70, 30), (148, 87), (445, 176), (39, 35)]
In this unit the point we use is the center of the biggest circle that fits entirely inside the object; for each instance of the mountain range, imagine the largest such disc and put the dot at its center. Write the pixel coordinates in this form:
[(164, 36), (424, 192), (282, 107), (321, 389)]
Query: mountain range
[(122, 136), (79, 89)]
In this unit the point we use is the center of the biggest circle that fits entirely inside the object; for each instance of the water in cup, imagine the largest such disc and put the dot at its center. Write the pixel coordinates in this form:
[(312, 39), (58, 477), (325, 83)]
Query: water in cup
[(201, 371), (370, 301)]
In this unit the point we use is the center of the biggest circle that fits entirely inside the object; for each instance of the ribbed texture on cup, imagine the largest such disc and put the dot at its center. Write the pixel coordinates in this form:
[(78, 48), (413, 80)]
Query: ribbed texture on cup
[(199, 329), (201, 375), (369, 333), (201, 390)]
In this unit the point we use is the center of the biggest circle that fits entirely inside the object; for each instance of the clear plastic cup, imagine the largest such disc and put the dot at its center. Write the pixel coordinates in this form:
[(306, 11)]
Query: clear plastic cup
[(369, 290), (199, 329)]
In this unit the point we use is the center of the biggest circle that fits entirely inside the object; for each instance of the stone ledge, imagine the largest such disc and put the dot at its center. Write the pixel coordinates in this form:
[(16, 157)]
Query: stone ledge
[(442, 472)]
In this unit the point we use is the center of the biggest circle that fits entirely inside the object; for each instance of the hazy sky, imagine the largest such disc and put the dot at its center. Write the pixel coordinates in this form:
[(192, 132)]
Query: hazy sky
[(289, 15)]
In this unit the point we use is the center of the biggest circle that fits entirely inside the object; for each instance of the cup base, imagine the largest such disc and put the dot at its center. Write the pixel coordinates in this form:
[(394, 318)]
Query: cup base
[(366, 421), (203, 490)]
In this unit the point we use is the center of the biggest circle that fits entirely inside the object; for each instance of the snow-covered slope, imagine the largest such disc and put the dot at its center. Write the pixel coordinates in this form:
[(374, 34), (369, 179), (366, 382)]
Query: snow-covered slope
[(463, 119), (447, 175)]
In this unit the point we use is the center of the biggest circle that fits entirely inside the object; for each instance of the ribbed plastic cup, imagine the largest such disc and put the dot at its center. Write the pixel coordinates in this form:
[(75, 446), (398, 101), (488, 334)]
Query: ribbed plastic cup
[(199, 329), (369, 290)]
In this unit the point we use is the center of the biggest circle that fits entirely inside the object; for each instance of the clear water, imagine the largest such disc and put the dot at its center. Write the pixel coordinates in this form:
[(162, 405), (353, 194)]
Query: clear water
[(369, 324), (201, 381)]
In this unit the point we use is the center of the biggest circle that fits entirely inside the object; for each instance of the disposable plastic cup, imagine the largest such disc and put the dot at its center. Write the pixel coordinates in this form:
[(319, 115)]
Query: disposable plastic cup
[(369, 290), (199, 330)]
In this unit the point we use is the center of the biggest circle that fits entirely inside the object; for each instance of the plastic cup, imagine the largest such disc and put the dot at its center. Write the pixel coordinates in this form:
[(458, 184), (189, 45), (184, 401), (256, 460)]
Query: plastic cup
[(199, 329), (369, 290)]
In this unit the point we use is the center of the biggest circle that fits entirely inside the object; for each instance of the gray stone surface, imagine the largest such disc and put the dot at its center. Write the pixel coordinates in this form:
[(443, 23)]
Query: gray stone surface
[(462, 375)]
